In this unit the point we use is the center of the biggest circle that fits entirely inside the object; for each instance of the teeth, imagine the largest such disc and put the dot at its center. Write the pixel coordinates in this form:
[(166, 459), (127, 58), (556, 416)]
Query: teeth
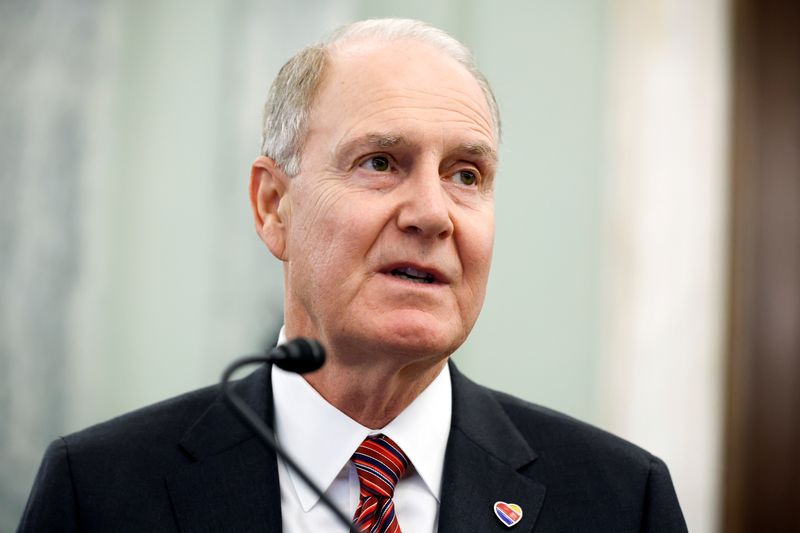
[(415, 280), (412, 274)]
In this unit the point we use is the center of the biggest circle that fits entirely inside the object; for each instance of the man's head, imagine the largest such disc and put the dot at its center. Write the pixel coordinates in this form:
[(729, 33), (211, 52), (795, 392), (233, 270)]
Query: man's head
[(376, 191), (292, 94)]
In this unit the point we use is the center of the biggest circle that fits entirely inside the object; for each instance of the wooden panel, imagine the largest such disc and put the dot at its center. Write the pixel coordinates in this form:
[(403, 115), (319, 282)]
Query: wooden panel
[(761, 489)]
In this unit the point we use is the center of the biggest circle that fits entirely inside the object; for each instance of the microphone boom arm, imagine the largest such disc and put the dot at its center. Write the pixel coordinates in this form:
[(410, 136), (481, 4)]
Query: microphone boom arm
[(251, 420)]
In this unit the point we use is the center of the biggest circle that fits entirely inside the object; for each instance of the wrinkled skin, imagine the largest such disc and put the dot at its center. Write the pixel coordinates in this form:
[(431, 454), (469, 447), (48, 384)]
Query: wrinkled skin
[(396, 183)]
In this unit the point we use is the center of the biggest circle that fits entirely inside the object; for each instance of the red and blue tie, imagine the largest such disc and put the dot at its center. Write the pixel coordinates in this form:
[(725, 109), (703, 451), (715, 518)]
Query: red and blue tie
[(380, 464)]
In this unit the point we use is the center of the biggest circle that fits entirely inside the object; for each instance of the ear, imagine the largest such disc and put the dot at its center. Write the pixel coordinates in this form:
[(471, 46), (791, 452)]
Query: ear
[(268, 188)]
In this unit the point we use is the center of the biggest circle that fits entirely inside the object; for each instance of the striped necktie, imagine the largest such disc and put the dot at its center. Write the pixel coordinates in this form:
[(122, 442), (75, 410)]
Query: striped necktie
[(380, 464)]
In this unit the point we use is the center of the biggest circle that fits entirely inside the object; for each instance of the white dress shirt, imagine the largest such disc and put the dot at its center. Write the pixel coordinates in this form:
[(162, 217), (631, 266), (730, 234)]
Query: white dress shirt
[(321, 439)]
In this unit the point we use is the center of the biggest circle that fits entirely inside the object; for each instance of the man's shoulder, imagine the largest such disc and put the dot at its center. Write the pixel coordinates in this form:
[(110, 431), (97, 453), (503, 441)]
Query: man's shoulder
[(139, 445), (593, 480), (171, 432), (122, 471), (163, 421), (544, 428), (563, 439)]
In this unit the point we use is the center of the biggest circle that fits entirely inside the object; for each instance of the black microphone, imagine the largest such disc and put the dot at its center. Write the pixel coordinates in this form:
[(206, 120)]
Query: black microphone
[(299, 355)]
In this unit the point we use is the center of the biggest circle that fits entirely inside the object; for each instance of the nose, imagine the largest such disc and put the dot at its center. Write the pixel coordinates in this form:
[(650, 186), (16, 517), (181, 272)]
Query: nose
[(425, 210)]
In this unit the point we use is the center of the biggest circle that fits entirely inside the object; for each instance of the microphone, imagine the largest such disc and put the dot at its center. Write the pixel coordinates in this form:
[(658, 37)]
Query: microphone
[(300, 355)]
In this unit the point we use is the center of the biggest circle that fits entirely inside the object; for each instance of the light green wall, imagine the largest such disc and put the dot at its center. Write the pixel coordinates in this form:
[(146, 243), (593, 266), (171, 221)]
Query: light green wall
[(157, 247), (543, 305)]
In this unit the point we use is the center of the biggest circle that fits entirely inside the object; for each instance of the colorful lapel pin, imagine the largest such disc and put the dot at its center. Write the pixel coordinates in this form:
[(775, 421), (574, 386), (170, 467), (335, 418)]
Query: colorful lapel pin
[(509, 513)]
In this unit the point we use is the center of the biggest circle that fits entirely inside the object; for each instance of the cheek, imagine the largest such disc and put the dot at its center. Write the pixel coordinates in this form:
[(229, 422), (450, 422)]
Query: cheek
[(314, 218), (477, 240), (333, 231), (476, 245)]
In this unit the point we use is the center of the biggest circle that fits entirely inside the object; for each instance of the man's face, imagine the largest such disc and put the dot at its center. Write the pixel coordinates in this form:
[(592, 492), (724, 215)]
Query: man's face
[(389, 225)]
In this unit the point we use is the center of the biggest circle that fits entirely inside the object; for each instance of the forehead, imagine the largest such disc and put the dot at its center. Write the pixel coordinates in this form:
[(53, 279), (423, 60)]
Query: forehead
[(404, 86)]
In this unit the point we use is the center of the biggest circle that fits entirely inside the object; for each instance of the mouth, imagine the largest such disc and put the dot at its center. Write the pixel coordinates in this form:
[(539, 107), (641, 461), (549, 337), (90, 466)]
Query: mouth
[(414, 275)]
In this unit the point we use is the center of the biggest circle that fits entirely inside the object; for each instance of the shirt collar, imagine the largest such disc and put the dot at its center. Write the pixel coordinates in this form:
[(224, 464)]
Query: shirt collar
[(422, 428), (322, 439)]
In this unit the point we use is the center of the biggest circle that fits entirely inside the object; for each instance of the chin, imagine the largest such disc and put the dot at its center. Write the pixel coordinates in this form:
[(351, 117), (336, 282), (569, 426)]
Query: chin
[(414, 340)]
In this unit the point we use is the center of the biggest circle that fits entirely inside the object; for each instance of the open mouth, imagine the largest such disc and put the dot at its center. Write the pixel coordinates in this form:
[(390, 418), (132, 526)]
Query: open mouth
[(412, 274)]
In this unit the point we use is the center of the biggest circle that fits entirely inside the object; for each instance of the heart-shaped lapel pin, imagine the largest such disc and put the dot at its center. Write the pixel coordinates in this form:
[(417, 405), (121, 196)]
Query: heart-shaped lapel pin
[(509, 513)]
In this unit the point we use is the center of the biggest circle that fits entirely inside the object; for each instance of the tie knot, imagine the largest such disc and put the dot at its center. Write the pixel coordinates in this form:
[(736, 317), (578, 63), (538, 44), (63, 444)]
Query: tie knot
[(380, 463)]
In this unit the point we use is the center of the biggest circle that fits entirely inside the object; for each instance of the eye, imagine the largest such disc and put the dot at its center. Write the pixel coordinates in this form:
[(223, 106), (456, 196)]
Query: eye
[(377, 163), (465, 177)]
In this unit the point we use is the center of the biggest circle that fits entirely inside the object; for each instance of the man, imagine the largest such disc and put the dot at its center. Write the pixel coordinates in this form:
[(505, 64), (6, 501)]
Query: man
[(375, 191)]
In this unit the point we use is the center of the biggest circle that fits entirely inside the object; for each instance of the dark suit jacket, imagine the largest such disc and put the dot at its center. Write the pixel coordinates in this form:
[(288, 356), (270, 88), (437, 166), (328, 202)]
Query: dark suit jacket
[(188, 465)]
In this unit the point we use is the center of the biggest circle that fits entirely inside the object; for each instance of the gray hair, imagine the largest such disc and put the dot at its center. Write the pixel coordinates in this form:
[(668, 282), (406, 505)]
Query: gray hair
[(289, 102)]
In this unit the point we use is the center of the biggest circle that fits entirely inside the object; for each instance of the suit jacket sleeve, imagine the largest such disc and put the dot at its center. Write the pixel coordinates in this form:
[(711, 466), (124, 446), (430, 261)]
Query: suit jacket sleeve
[(662, 512), (52, 505)]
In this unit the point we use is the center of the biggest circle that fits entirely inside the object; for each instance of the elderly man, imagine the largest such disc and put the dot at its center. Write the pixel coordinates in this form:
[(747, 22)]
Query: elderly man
[(375, 191)]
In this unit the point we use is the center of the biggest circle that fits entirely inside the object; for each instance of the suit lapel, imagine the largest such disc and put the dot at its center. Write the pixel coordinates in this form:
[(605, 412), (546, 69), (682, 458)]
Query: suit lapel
[(232, 483), (485, 452)]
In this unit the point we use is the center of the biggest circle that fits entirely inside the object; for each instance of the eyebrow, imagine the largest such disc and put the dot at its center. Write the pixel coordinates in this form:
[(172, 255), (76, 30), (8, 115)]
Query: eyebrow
[(391, 140), (481, 150), (370, 140)]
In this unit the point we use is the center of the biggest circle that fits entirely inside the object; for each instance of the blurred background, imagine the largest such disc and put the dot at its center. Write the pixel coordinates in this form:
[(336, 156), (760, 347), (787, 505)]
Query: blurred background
[(647, 261)]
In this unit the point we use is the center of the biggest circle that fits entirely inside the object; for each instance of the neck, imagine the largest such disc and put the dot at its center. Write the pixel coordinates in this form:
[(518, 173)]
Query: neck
[(373, 394)]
